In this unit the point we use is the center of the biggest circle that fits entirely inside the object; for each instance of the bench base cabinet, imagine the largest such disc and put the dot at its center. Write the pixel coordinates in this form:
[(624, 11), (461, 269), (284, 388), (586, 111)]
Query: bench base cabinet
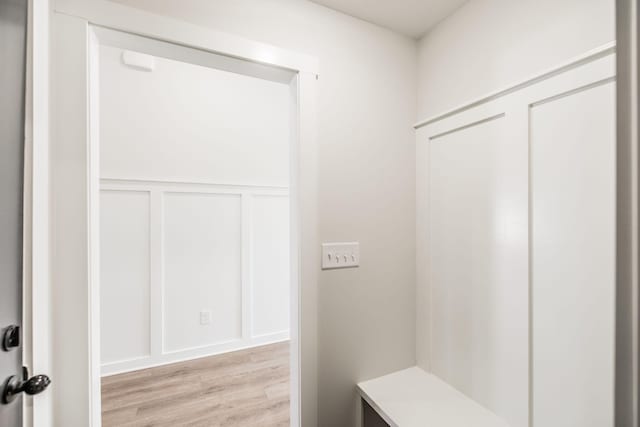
[(370, 418)]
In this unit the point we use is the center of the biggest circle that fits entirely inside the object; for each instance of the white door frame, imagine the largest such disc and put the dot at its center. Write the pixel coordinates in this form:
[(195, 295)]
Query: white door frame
[(75, 190)]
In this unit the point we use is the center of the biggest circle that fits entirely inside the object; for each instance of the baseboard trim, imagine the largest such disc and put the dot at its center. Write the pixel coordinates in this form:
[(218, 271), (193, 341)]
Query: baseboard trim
[(144, 362)]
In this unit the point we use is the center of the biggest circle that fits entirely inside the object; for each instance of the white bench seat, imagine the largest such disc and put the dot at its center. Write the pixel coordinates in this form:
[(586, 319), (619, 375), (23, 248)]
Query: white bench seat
[(414, 398)]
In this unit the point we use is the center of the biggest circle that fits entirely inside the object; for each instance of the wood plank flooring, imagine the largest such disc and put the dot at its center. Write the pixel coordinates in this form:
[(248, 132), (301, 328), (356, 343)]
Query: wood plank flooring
[(240, 389)]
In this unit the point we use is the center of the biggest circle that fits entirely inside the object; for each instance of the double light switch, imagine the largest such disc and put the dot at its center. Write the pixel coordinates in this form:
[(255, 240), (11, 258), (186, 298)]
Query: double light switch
[(340, 255)]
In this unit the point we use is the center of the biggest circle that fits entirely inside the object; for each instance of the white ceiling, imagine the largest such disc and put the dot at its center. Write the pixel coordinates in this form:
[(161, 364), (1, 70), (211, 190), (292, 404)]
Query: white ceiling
[(410, 17)]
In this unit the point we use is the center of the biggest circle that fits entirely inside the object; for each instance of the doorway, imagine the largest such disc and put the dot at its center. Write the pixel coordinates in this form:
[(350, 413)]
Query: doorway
[(80, 28), (194, 234)]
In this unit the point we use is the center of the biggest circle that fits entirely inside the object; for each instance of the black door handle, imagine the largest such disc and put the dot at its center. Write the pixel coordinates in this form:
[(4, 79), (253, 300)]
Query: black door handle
[(14, 386)]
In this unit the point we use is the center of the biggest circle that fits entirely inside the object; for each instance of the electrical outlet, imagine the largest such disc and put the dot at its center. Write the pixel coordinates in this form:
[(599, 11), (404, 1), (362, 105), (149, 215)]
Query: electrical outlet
[(340, 255), (205, 317)]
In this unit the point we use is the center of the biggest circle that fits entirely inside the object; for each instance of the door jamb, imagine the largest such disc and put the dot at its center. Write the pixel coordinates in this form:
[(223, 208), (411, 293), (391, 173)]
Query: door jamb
[(36, 277)]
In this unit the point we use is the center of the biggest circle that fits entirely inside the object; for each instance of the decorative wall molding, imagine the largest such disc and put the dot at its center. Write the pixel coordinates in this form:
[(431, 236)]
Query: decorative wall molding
[(578, 61), (504, 148), (149, 182), (135, 364), (467, 126), (157, 191), (573, 91)]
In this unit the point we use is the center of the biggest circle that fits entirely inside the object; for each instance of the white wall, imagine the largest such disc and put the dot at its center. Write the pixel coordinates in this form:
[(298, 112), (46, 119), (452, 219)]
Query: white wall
[(190, 123), (366, 107), (490, 44), (194, 211)]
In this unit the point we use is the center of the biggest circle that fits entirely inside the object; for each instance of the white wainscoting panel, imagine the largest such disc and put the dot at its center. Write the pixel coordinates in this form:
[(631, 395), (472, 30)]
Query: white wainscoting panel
[(573, 258), (270, 282), (515, 212), (202, 269), (479, 263), (173, 250), (125, 275)]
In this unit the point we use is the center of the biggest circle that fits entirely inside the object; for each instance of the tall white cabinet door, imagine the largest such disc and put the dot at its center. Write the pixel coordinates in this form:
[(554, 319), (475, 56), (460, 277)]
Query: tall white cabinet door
[(572, 145)]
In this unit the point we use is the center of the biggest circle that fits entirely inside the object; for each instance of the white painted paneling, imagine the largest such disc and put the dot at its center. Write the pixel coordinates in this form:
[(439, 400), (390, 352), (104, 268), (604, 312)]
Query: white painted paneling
[(268, 311), (190, 123), (270, 283), (573, 258), (489, 45), (202, 269), (124, 278), (478, 194), (519, 245)]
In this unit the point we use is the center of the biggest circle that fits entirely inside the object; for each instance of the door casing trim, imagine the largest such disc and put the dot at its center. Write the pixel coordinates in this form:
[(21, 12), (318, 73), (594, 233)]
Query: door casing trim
[(75, 356)]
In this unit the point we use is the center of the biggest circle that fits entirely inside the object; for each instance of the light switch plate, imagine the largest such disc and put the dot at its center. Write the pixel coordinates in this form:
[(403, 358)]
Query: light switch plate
[(340, 255)]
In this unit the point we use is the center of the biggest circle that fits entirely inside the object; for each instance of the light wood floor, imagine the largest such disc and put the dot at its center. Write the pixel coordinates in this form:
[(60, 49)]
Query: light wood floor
[(240, 389)]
